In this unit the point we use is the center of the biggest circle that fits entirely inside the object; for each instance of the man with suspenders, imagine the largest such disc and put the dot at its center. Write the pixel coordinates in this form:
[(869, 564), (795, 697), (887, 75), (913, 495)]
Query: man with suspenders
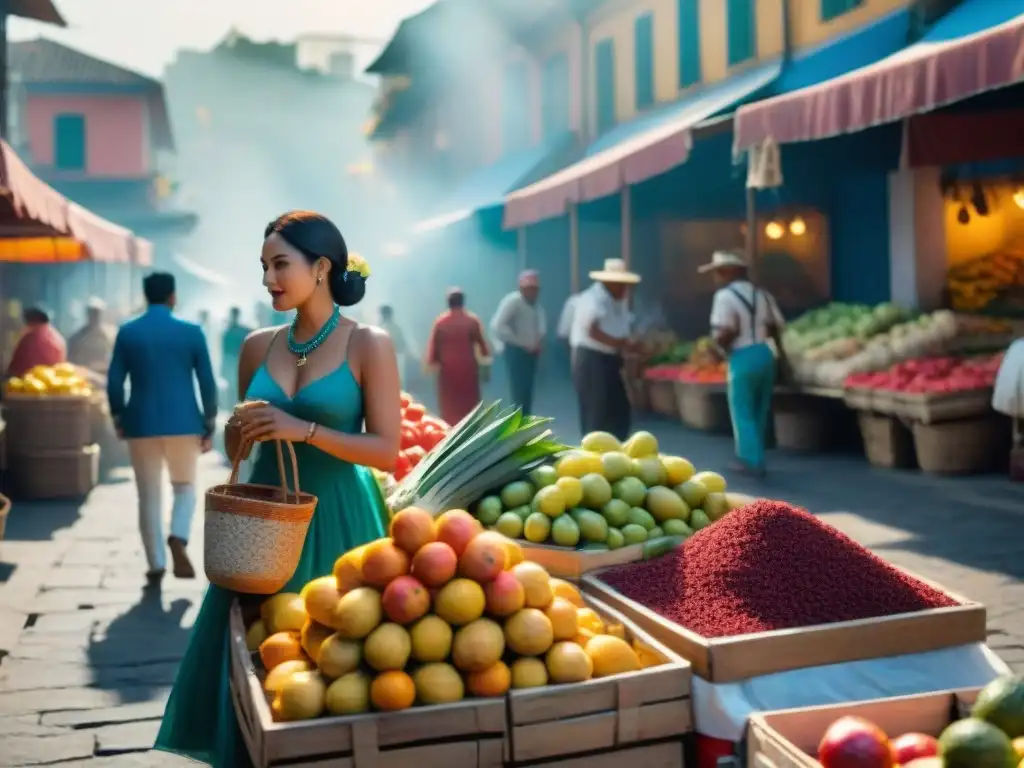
[(743, 319)]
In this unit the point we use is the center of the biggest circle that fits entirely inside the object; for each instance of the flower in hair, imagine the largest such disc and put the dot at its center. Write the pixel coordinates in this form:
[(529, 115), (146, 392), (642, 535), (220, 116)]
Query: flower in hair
[(357, 263)]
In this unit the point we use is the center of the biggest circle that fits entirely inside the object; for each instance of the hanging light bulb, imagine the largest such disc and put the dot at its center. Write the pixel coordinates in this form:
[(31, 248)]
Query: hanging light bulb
[(1018, 197), (797, 226), (774, 230)]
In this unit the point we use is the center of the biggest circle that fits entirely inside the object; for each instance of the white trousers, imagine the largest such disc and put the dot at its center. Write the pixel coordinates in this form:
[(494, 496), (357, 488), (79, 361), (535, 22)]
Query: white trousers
[(149, 457)]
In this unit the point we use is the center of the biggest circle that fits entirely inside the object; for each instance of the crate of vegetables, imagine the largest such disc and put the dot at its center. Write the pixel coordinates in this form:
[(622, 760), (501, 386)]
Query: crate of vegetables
[(420, 432), (972, 728), (661, 395), (939, 389), (634, 706), (770, 588)]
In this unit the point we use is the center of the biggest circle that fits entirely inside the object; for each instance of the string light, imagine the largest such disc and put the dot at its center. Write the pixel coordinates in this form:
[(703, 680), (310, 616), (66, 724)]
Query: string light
[(797, 226), (1018, 197), (774, 230)]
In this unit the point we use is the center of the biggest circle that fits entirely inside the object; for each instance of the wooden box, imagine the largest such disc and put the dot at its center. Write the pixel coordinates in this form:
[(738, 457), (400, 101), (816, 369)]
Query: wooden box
[(52, 423), (931, 407), (789, 738), (704, 407), (661, 396), (729, 659), (962, 447), (65, 474), (888, 442), (470, 733), (638, 719)]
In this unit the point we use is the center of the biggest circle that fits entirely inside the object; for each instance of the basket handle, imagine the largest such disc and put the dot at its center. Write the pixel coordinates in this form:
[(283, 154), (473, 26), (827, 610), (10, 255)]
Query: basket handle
[(244, 450)]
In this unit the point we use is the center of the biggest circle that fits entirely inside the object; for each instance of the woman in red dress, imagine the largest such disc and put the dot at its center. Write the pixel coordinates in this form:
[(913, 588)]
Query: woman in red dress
[(456, 340)]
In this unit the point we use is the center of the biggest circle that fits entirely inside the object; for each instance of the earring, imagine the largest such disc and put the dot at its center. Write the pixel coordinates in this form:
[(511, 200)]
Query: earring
[(319, 279)]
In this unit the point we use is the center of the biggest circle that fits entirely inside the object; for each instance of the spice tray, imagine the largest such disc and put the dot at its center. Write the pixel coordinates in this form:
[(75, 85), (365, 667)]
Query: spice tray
[(729, 659), (566, 563), (789, 738), (470, 733), (929, 408), (639, 717)]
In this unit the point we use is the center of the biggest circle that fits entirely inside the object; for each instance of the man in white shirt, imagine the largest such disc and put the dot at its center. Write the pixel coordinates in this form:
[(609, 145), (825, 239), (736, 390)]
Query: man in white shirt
[(599, 336), (518, 328), (743, 319)]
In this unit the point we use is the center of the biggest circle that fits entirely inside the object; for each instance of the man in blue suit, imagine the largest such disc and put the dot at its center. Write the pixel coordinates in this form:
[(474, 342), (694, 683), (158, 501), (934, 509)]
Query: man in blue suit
[(164, 426)]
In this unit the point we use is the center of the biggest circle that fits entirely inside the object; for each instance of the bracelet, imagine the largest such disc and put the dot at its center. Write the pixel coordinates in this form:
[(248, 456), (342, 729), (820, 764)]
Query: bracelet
[(311, 431)]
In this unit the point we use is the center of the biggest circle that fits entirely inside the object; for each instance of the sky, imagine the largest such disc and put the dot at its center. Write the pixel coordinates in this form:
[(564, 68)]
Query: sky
[(144, 34)]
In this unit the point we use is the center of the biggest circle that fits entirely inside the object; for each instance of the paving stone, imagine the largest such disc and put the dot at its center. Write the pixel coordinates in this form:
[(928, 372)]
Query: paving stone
[(29, 750), (95, 553), (26, 725), (65, 699), (74, 620), (145, 710), (29, 675), (126, 737), (74, 576), (150, 759), (12, 623)]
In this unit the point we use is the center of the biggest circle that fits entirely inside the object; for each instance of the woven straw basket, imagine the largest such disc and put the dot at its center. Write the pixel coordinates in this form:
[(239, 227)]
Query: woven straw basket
[(254, 533)]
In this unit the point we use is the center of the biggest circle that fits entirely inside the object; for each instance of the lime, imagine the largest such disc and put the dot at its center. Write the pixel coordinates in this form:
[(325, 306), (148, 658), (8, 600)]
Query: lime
[(677, 528), (537, 527), (565, 532), (596, 491), (635, 534), (516, 494), (699, 520), (655, 533), (544, 476), (489, 510), (631, 490), (692, 492), (616, 465), (593, 527), (616, 512), (615, 539), (641, 517), (522, 512), (510, 524)]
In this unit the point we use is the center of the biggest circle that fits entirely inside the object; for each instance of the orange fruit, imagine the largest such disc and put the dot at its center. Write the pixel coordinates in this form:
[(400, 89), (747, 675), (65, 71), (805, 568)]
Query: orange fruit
[(383, 562), (563, 619), (392, 691), (279, 648), (493, 681)]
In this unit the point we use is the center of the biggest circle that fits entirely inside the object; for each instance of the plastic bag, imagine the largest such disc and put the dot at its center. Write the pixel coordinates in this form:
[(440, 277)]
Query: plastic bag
[(1008, 394)]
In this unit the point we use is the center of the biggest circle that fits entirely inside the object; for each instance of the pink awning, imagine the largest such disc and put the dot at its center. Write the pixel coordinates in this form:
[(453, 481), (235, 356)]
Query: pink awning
[(106, 241), (920, 78), (143, 255)]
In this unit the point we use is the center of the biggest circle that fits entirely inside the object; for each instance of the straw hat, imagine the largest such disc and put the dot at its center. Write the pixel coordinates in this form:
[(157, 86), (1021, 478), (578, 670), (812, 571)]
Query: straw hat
[(722, 260), (615, 271)]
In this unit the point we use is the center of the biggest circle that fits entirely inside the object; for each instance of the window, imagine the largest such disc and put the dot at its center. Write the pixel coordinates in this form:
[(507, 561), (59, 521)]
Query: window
[(515, 102), (69, 142), (604, 54), (742, 31), (832, 8), (689, 42), (555, 95), (643, 39)]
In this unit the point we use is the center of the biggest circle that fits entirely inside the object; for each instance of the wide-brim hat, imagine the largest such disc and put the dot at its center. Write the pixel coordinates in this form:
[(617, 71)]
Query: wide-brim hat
[(723, 260), (615, 271)]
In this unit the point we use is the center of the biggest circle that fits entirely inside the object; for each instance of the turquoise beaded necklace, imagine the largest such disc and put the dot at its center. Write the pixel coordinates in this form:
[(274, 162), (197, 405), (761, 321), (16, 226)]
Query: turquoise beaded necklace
[(307, 348)]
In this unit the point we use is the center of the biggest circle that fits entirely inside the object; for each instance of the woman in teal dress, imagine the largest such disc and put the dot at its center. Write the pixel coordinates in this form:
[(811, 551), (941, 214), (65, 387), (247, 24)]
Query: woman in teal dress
[(315, 382)]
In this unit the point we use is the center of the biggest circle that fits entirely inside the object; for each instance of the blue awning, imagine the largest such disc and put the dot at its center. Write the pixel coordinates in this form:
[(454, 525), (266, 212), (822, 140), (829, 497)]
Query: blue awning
[(635, 151), (486, 187)]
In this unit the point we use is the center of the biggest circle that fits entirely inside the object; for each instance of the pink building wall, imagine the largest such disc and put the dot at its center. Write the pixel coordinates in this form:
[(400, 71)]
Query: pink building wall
[(116, 133)]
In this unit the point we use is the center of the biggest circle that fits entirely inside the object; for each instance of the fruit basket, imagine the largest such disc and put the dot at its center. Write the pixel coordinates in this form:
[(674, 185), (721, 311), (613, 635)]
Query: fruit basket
[(52, 423), (637, 717), (63, 474), (662, 398), (888, 443), (962, 447), (933, 407), (703, 406)]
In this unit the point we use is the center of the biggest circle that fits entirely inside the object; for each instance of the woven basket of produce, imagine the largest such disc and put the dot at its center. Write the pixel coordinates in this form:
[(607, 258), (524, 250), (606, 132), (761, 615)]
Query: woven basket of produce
[(53, 423), (50, 475), (964, 447), (254, 533), (887, 441), (704, 407), (662, 395)]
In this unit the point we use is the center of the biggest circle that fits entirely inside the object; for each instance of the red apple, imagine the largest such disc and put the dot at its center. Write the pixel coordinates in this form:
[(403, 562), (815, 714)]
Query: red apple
[(911, 746), (852, 742)]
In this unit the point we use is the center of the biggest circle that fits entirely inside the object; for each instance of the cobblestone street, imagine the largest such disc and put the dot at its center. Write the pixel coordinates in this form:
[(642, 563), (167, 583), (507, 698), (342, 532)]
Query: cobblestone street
[(86, 661)]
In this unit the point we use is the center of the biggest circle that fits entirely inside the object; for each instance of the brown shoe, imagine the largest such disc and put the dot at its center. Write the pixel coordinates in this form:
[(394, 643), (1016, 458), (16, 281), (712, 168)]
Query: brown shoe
[(182, 565)]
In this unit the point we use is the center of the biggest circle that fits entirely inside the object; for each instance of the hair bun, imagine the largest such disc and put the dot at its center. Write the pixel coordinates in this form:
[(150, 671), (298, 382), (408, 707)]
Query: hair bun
[(347, 287)]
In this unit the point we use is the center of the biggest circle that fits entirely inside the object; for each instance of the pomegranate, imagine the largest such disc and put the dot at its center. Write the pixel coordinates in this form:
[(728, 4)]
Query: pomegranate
[(852, 742), (911, 746)]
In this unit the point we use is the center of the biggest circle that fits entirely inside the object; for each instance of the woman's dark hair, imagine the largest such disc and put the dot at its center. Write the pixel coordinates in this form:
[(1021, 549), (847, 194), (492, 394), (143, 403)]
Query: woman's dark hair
[(316, 237), (456, 298)]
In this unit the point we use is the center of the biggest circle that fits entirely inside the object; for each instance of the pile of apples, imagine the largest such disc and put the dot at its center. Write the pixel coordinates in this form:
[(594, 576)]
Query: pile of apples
[(421, 431), (932, 375)]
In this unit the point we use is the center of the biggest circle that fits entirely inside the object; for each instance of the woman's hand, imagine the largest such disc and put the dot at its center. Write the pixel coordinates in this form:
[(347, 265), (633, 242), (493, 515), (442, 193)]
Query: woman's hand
[(261, 422)]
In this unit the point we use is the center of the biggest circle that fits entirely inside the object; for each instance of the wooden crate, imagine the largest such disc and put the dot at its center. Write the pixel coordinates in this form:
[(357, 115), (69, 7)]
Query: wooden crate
[(729, 659), (566, 563), (859, 398), (789, 738), (470, 733), (704, 407), (888, 442), (661, 397), (53, 423), (639, 717), (65, 474), (931, 407)]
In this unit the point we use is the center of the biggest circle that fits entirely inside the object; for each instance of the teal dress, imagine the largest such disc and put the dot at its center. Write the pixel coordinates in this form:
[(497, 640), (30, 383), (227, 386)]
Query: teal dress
[(199, 721)]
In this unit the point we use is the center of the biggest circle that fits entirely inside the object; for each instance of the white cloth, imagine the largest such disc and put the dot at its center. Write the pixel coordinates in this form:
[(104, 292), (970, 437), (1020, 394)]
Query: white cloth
[(1008, 394), (721, 710), (565, 319), (149, 457), (729, 311), (613, 317), (518, 323)]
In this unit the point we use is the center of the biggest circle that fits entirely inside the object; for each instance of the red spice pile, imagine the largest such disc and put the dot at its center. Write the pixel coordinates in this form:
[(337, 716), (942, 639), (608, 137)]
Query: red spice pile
[(769, 566)]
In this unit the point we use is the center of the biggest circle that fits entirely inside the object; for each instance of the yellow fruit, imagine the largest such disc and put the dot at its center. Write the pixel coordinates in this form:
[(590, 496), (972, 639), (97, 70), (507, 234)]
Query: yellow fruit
[(387, 648), (578, 464), (587, 618), (583, 637), (536, 583), (567, 591), (600, 442), (285, 612), (568, 663), (713, 481), (278, 675), (478, 645), (338, 656), (641, 445), (616, 630), (1018, 748), (493, 681), (529, 673), (302, 696), (460, 601), (515, 555), (513, 552), (438, 683), (320, 597), (678, 470), (255, 635), (348, 695), (348, 569), (313, 637), (611, 656), (431, 639), (529, 632), (550, 501), (572, 490), (562, 614), (279, 648), (647, 655), (392, 691), (358, 613)]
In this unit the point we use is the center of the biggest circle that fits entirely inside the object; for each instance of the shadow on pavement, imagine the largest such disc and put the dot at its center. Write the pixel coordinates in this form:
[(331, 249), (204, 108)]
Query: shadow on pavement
[(38, 520), (138, 653)]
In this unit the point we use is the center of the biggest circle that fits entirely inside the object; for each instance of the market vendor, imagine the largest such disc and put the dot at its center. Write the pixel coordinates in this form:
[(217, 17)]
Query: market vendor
[(743, 319), (599, 338), (40, 343), (92, 345)]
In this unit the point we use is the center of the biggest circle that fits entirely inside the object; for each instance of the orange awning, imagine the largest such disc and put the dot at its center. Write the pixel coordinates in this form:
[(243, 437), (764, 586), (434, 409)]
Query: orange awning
[(42, 250)]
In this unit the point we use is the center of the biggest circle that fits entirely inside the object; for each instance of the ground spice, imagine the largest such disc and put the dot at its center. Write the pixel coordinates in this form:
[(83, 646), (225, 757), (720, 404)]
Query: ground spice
[(769, 566)]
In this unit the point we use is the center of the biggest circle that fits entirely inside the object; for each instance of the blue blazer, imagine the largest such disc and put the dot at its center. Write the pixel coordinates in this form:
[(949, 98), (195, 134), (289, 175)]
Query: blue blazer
[(159, 354)]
